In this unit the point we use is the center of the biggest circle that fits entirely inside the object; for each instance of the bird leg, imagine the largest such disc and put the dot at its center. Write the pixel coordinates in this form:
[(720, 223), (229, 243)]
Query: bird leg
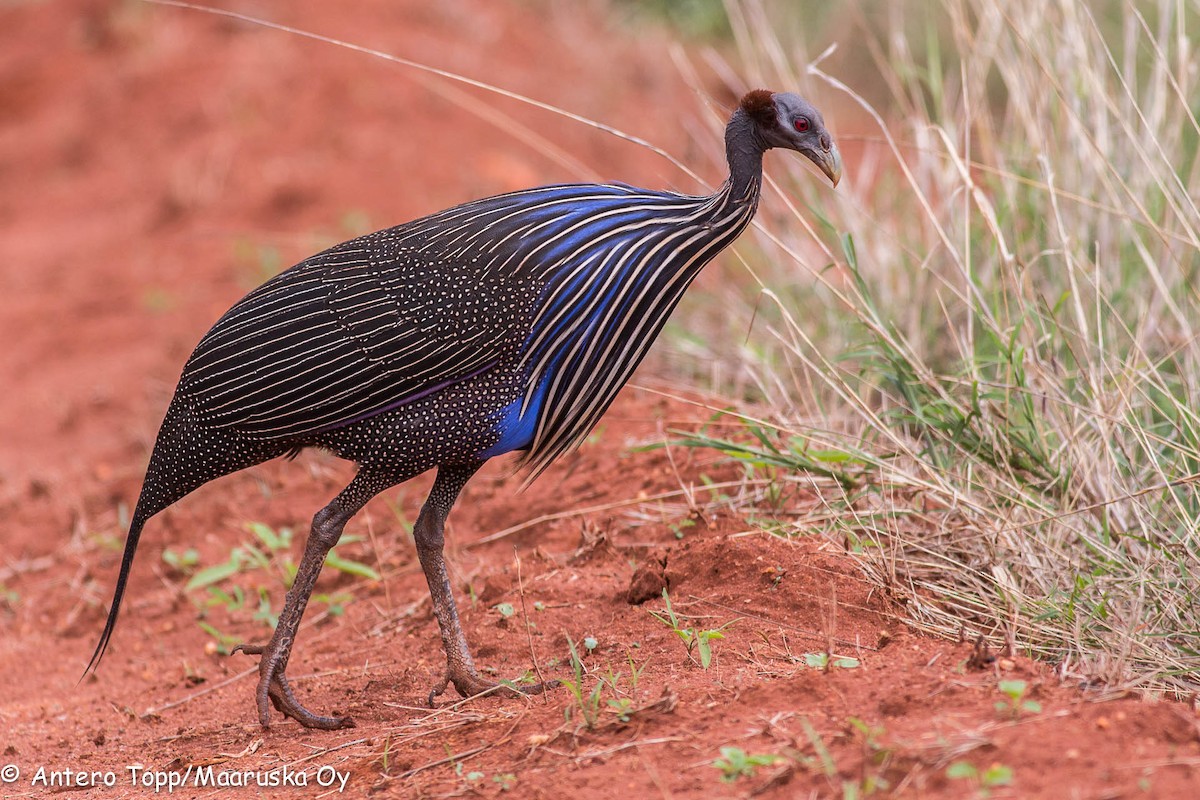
[(273, 686), (428, 532)]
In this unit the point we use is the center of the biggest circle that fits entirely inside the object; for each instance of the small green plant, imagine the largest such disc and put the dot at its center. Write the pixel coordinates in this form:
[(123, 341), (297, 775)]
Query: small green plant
[(587, 704), (1015, 701), (828, 765), (474, 776), (264, 614), (678, 527), (505, 610), (232, 601), (826, 661), (693, 638), (108, 541), (992, 777), (346, 566), (385, 755), (774, 455), (506, 781), (876, 755), (622, 707), (396, 506), (184, 562), (335, 604), (269, 552), (222, 642), (635, 672), (470, 778), (736, 763)]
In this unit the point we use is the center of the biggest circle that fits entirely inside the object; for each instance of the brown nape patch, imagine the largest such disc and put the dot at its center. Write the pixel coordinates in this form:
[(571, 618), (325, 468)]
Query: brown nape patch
[(760, 105)]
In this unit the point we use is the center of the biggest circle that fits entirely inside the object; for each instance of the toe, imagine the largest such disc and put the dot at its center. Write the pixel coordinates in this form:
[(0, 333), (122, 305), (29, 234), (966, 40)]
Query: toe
[(286, 702)]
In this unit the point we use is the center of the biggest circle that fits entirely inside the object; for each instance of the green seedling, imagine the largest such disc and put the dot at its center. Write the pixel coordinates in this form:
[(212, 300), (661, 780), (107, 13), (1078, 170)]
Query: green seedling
[(736, 763), (994, 776), (335, 604), (1016, 701), (622, 707), (693, 638), (505, 610), (773, 457), (269, 552), (473, 777), (232, 601), (397, 509), (224, 642), (184, 562), (678, 527), (826, 661), (828, 766), (875, 754), (635, 672), (264, 614), (385, 755), (345, 565), (587, 704)]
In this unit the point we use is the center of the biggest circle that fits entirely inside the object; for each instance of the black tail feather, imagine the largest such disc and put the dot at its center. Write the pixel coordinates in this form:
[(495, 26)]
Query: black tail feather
[(186, 456), (131, 543)]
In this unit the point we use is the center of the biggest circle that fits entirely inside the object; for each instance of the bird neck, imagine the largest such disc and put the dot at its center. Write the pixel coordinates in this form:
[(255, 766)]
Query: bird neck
[(744, 149)]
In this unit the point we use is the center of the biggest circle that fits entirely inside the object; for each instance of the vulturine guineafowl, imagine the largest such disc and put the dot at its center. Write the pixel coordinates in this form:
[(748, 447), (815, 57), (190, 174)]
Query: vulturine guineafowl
[(505, 324)]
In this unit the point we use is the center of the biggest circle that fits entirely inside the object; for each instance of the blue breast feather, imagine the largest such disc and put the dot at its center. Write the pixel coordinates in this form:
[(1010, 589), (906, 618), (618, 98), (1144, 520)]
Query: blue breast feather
[(591, 242)]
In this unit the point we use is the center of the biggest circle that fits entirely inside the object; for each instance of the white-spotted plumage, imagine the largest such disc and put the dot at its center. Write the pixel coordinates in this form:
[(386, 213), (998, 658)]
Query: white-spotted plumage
[(504, 324)]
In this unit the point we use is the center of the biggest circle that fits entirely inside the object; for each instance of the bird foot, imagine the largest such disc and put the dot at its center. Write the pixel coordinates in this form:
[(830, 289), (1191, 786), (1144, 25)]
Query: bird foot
[(469, 683), (273, 686)]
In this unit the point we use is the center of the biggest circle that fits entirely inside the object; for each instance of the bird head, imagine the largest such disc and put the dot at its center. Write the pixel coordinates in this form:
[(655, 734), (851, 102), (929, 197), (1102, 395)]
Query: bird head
[(786, 120)]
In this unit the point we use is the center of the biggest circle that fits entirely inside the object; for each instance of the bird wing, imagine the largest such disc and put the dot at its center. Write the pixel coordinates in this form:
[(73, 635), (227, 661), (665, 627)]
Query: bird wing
[(368, 325), (393, 316)]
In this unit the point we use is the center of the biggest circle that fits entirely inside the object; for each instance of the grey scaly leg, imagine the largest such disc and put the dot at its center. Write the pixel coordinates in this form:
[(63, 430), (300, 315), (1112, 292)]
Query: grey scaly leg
[(272, 667), (429, 536)]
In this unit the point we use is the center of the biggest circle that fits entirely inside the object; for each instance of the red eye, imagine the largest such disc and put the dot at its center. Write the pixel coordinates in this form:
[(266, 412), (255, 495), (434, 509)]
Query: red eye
[(801, 124)]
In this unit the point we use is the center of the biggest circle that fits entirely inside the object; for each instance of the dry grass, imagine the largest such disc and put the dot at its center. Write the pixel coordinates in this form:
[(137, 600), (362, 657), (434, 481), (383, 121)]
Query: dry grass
[(992, 324)]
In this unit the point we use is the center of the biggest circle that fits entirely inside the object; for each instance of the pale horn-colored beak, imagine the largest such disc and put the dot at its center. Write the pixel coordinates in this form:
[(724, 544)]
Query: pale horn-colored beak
[(829, 162)]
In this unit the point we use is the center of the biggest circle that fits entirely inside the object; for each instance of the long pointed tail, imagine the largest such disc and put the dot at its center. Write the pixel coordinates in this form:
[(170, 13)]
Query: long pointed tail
[(131, 543), (160, 488), (186, 456)]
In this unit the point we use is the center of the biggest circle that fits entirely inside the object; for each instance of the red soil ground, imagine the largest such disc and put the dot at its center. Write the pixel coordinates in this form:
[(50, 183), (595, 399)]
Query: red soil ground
[(156, 163)]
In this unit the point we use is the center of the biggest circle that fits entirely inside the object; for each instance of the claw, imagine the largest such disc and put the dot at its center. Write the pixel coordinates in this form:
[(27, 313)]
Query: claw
[(273, 686), (438, 689), (248, 649), (469, 683)]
